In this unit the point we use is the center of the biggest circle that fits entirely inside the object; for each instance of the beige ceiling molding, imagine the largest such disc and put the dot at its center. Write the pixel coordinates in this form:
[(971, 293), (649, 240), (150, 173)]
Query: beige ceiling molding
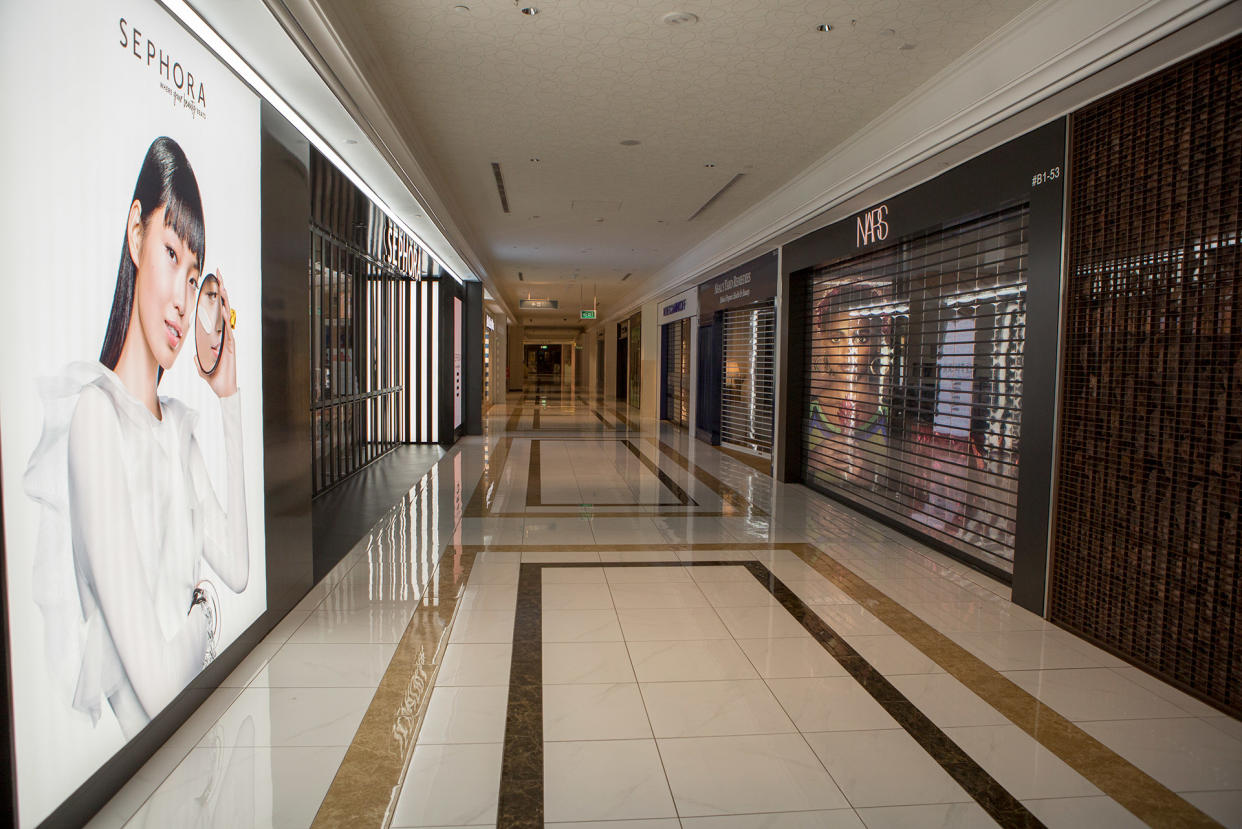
[(341, 66), (1044, 51)]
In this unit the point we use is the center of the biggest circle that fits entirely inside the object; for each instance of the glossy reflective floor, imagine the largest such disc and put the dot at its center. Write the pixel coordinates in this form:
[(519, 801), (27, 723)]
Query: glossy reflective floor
[(585, 620)]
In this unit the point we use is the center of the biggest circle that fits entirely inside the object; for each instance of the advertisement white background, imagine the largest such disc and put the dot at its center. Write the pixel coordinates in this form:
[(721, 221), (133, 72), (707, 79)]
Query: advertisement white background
[(80, 111)]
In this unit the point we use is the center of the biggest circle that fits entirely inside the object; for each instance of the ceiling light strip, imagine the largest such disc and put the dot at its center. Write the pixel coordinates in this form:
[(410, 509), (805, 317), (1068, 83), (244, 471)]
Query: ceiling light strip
[(192, 21)]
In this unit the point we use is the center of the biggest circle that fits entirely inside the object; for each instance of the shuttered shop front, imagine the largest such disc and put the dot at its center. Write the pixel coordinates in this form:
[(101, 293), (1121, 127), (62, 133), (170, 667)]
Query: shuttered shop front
[(748, 378), (913, 372), (676, 372)]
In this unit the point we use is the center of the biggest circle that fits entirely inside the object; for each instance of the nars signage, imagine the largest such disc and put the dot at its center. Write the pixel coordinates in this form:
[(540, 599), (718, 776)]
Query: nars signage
[(685, 304), (744, 285), (872, 226)]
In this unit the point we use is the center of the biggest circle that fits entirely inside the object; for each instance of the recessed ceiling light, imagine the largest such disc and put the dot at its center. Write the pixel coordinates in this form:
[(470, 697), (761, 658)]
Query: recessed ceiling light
[(534, 217), (599, 220), (630, 142), (824, 27), (530, 10), (534, 161), (680, 18), (462, 9), (659, 221), (709, 165), (906, 47)]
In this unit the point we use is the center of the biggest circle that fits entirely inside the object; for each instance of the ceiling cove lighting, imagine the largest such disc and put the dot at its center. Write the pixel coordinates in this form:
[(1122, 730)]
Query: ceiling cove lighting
[(191, 20)]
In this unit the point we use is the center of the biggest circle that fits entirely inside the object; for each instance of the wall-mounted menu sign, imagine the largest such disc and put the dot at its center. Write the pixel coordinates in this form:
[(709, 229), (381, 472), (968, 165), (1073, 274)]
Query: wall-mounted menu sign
[(744, 285)]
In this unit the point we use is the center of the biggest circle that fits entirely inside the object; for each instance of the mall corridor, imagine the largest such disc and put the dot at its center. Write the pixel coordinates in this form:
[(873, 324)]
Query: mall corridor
[(586, 620)]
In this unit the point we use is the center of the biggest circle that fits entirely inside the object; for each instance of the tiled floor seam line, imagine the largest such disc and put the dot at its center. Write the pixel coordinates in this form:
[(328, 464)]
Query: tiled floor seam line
[(366, 785), (1134, 789)]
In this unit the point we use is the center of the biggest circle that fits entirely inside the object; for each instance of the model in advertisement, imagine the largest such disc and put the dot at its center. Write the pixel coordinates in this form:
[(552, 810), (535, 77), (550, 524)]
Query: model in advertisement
[(128, 511)]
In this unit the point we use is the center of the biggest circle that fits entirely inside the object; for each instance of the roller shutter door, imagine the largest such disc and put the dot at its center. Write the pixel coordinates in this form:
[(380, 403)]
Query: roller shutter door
[(676, 371), (748, 380), (913, 382)]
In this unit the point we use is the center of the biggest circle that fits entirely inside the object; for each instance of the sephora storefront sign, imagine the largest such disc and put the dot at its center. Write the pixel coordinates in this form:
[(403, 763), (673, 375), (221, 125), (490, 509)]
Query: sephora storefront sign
[(131, 416)]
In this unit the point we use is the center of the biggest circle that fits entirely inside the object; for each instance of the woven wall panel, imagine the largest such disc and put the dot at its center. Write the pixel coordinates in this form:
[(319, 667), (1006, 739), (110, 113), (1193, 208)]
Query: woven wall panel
[(1146, 541)]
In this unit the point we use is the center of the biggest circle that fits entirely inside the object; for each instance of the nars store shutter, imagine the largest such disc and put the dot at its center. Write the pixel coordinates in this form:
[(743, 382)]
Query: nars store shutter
[(913, 368), (923, 342), (749, 377)]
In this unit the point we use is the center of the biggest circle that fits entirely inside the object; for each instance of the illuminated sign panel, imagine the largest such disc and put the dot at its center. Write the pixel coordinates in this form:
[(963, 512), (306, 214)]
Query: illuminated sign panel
[(131, 412)]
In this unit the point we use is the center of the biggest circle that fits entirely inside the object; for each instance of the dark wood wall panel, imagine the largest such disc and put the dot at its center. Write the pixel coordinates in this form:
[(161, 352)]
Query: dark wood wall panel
[(1146, 544)]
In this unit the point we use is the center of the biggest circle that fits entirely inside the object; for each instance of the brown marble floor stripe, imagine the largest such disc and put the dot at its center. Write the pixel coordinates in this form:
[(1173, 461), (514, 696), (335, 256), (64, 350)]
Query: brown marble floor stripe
[(996, 800), (734, 502), (520, 805), (1137, 791), (755, 462), (534, 418), (514, 417), (680, 494), (365, 789)]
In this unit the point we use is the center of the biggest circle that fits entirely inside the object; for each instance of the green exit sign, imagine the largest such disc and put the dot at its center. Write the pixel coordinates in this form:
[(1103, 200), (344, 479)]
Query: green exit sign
[(586, 315)]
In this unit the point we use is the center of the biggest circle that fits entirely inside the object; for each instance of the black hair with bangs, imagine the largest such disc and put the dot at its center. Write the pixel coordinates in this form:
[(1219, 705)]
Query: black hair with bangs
[(165, 180)]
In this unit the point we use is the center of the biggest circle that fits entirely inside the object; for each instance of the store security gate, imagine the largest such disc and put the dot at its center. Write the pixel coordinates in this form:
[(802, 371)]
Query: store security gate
[(748, 380), (675, 372)]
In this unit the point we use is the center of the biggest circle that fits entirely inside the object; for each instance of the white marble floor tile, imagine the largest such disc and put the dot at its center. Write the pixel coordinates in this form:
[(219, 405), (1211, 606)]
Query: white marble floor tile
[(927, 816), (834, 819), (465, 714), (1186, 755), (557, 531), (499, 573), (961, 617), (725, 573), (231, 786), (352, 627), (611, 711), (450, 785), (637, 556), (626, 531), (884, 768), (851, 619), (473, 627), (573, 575), (581, 626), (750, 774), (893, 655), (586, 662), (491, 530), (604, 780), (795, 656), (818, 591), (291, 717), (830, 704), (584, 557), (748, 593), (686, 660), (1225, 807), (1093, 694), (945, 701), (326, 666), (657, 594), (1023, 650), (711, 709), (1083, 813), (251, 665), (576, 597), (658, 624), (1019, 763), (475, 664), (1163, 690), (646, 575), (771, 621), (488, 597)]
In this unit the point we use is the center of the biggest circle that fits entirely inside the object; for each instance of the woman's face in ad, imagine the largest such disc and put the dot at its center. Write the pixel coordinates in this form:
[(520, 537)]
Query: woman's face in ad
[(164, 288), (852, 343)]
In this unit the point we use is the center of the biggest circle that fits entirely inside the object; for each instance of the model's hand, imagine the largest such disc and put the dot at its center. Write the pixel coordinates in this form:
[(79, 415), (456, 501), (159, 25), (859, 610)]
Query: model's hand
[(223, 380)]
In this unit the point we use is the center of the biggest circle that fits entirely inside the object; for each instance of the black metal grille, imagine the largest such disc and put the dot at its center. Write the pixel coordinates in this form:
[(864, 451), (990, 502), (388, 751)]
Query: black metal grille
[(913, 381), (1146, 551), (373, 297)]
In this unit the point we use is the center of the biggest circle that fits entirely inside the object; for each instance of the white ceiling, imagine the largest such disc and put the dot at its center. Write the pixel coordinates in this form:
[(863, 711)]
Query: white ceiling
[(752, 88)]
